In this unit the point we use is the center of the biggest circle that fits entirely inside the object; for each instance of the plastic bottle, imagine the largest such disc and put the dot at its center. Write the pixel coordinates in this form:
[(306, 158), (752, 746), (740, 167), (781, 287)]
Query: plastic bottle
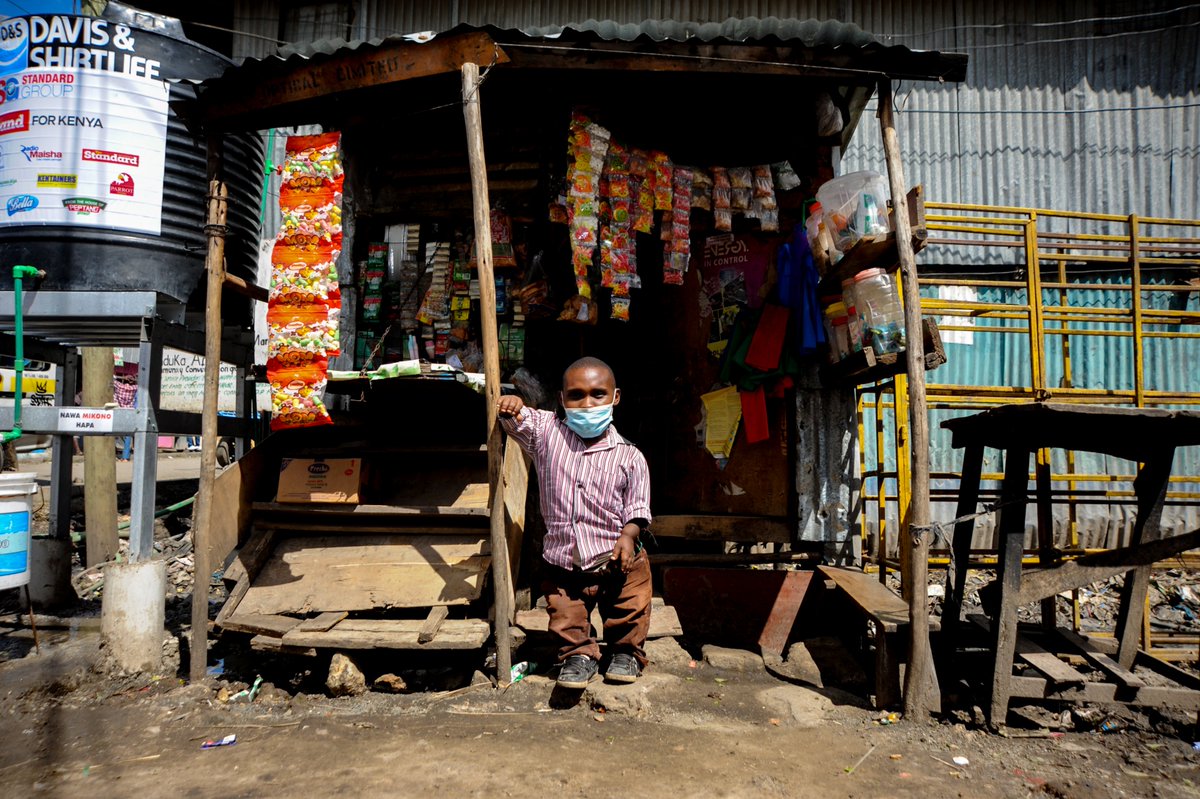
[(878, 306), (854, 316), (837, 331)]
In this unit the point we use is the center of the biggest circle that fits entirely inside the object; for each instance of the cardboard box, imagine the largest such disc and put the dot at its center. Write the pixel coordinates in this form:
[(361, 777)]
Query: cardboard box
[(319, 480)]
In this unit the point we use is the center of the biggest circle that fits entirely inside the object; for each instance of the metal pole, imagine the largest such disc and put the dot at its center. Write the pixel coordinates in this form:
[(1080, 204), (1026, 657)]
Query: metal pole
[(501, 574)]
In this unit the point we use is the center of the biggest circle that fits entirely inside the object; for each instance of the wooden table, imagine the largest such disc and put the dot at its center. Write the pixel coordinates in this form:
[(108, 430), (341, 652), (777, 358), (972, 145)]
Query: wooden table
[(1147, 436)]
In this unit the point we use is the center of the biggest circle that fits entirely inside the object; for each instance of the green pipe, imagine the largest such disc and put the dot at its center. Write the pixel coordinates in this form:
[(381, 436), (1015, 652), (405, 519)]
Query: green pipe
[(268, 169), (19, 272), (158, 514)]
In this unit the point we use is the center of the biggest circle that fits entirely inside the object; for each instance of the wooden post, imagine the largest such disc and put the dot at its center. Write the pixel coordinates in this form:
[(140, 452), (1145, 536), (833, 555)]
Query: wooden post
[(921, 693), (501, 574), (99, 461), (201, 534)]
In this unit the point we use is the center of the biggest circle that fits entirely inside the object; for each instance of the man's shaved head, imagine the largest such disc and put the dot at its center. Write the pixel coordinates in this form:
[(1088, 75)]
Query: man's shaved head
[(588, 362)]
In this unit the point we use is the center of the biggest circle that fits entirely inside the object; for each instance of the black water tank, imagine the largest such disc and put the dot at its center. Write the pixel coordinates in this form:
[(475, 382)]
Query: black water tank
[(100, 259)]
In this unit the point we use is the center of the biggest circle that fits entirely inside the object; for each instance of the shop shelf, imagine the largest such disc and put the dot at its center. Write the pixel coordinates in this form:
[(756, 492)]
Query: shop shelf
[(877, 251), (867, 367)]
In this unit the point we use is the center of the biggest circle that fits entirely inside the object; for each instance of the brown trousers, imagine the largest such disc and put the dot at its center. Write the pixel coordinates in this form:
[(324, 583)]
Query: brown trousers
[(624, 602)]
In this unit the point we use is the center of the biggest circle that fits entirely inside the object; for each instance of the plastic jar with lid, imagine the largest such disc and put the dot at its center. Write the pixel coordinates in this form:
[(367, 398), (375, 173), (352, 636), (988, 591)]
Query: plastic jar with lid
[(837, 331), (878, 305), (854, 326)]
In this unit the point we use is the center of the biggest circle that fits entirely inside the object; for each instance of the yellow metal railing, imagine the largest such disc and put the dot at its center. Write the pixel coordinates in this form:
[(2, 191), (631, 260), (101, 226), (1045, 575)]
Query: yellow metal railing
[(1040, 258)]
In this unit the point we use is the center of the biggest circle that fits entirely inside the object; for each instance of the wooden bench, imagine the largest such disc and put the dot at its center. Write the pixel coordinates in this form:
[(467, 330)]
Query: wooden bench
[(877, 603)]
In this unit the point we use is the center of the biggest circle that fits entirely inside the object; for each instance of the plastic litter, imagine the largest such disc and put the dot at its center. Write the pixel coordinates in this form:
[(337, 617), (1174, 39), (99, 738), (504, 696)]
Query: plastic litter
[(959, 760), (228, 740), (520, 670)]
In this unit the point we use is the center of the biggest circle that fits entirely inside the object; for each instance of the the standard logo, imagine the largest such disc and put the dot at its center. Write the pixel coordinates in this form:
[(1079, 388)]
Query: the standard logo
[(14, 122), (123, 185), (57, 181), (85, 206), (22, 202), (110, 157), (35, 154)]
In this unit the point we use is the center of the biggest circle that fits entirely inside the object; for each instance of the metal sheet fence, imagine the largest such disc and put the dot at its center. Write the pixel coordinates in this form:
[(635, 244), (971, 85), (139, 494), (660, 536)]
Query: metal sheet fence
[(1116, 320)]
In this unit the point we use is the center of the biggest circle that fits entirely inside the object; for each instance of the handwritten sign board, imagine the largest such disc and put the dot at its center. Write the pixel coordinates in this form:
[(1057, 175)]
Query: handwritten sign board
[(183, 383)]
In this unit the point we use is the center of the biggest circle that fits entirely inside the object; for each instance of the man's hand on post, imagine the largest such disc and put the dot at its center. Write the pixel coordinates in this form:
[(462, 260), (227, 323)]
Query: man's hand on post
[(510, 405)]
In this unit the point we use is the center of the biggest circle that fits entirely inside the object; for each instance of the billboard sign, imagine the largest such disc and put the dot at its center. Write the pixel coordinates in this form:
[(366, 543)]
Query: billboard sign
[(83, 124)]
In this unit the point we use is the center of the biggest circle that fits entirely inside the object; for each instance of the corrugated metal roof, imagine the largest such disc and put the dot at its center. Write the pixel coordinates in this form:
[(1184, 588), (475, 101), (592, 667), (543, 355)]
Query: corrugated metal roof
[(837, 39), (808, 32)]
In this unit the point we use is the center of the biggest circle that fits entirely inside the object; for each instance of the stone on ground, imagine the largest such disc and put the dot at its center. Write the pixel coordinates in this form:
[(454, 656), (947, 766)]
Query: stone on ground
[(632, 699), (796, 706), (666, 653), (720, 657), (344, 678), (390, 683), (801, 665)]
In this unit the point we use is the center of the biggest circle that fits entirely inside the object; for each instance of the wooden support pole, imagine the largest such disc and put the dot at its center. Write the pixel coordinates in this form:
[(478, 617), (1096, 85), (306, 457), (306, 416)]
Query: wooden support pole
[(201, 532), (99, 461), (501, 573), (921, 693)]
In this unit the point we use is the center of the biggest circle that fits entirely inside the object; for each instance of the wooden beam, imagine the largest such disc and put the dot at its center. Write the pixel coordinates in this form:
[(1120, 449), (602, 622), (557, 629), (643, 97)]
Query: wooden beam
[(215, 271), (921, 693), (433, 623), (1041, 583), (260, 624), (1101, 660), (99, 461), (501, 572), (1106, 693), (392, 634), (368, 67), (1040, 658), (245, 288), (747, 529), (323, 622)]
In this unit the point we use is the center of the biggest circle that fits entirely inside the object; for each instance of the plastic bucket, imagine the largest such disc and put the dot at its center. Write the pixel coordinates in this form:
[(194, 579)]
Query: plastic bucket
[(15, 509)]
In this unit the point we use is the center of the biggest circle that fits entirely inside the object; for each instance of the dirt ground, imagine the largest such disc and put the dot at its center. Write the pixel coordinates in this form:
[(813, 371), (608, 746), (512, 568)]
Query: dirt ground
[(688, 728)]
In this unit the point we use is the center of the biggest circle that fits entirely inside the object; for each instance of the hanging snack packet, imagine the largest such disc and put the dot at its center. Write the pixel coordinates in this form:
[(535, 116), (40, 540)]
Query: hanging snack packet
[(296, 398), (661, 167), (741, 177), (702, 185), (764, 184), (723, 219), (786, 178), (303, 280), (620, 309), (741, 199), (299, 336)]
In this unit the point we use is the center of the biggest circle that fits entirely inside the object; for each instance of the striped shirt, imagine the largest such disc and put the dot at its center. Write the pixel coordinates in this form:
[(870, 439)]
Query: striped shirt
[(589, 492)]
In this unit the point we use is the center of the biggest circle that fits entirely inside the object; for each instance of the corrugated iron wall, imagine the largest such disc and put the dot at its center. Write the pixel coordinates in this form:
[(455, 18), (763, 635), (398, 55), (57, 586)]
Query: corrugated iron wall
[(1098, 116)]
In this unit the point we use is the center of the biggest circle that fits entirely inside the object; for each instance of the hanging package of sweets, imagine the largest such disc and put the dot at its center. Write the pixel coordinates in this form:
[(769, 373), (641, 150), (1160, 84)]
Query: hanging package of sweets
[(643, 205), (296, 398), (305, 301), (299, 336), (589, 145), (660, 167), (302, 278), (675, 254)]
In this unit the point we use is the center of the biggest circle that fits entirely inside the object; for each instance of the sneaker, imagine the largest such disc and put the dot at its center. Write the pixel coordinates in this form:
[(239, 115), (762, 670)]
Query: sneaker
[(623, 668), (577, 671)]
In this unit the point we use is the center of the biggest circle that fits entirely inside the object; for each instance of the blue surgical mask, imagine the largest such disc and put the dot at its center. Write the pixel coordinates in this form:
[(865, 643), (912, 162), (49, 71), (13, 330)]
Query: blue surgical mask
[(588, 423)]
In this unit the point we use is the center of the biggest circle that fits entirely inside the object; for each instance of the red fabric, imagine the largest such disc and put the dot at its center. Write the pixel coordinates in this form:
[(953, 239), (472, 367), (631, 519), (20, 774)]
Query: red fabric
[(754, 415), (767, 344)]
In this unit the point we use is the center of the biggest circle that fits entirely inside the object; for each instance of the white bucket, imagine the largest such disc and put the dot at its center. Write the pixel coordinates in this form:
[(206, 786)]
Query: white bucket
[(16, 508)]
